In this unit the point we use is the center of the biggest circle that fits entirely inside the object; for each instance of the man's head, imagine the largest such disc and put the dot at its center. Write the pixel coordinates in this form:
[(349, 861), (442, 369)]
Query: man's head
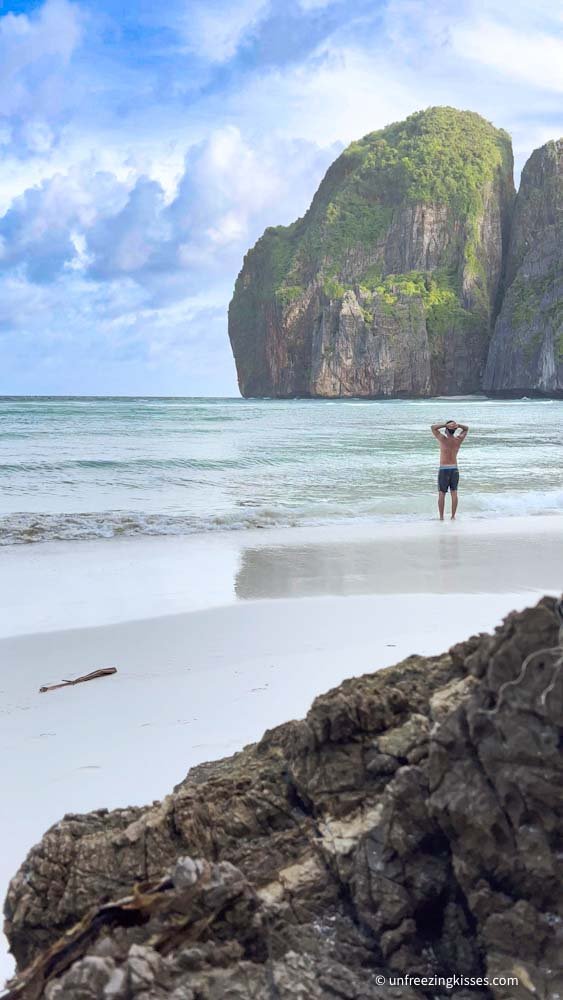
[(451, 427)]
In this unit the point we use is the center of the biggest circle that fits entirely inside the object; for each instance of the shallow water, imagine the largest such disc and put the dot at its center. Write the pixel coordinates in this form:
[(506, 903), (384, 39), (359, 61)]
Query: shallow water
[(86, 468)]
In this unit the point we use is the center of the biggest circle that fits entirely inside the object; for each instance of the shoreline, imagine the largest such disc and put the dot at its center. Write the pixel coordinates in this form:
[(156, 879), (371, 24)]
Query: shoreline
[(52, 586), (399, 521)]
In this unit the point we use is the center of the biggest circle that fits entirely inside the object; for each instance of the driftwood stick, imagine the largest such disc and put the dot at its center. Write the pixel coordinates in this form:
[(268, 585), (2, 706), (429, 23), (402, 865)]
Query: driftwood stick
[(104, 672)]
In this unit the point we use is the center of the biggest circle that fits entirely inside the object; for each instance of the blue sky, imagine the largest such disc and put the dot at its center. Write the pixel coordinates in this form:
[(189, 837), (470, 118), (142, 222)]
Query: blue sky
[(145, 147)]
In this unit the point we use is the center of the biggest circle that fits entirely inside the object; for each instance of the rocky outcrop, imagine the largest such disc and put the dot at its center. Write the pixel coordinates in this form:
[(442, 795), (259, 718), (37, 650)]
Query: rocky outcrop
[(411, 824), (526, 354), (389, 284)]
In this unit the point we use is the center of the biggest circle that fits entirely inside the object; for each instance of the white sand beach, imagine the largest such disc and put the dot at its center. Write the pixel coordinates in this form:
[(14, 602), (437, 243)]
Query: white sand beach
[(217, 638)]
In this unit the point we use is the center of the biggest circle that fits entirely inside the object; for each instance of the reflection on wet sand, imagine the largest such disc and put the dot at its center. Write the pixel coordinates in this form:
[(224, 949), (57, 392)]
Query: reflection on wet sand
[(444, 563)]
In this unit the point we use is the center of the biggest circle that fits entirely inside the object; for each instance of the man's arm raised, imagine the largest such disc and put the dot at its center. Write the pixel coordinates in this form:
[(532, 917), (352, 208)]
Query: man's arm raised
[(435, 428), (464, 431)]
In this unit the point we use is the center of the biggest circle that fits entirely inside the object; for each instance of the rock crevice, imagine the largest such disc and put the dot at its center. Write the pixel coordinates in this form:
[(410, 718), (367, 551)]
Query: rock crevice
[(526, 354)]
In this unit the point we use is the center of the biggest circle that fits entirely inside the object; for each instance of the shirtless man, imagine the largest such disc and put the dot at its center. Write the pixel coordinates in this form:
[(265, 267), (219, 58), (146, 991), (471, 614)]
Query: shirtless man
[(448, 473)]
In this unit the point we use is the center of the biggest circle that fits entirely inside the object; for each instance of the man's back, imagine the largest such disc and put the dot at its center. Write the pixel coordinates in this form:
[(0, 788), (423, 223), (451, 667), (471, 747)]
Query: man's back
[(449, 442), (449, 447)]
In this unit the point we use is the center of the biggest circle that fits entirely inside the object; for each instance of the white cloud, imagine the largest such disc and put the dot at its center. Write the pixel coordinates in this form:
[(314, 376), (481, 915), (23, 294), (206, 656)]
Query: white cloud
[(39, 228), (225, 178), (229, 228), (79, 337), (112, 228), (46, 38), (532, 57), (38, 136), (338, 94), (54, 31), (215, 30), (317, 4), (5, 134)]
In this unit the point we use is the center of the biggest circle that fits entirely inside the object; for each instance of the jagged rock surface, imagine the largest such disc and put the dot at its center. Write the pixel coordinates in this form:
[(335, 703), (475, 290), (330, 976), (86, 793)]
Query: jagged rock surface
[(388, 286), (411, 823), (526, 354)]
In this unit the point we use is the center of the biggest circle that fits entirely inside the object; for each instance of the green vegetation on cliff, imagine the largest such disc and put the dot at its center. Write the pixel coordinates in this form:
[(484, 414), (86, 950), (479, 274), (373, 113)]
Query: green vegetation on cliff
[(440, 156), (435, 292), (397, 260), (442, 307)]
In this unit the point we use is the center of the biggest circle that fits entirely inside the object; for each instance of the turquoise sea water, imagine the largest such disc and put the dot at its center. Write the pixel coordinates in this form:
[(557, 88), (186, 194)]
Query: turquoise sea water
[(86, 468)]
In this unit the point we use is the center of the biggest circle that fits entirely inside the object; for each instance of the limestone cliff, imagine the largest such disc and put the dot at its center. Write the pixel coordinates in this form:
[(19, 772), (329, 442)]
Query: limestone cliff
[(412, 823), (526, 354), (388, 286)]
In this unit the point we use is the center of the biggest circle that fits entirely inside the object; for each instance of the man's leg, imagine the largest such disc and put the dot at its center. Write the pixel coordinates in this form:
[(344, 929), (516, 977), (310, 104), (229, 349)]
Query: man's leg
[(454, 502), (441, 500)]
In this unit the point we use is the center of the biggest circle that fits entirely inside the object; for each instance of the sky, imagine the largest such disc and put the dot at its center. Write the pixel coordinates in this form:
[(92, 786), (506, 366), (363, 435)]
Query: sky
[(145, 147)]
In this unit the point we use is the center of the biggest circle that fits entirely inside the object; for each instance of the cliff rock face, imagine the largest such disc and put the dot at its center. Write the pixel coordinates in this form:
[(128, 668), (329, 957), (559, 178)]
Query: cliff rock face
[(412, 823), (526, 352), (389, 284)]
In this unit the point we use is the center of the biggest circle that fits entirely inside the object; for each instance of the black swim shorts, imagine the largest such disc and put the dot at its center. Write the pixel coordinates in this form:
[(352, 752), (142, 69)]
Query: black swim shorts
[(448, 479)]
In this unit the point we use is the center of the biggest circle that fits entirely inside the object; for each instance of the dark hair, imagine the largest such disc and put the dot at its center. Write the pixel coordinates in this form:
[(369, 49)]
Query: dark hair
[(451, 421)]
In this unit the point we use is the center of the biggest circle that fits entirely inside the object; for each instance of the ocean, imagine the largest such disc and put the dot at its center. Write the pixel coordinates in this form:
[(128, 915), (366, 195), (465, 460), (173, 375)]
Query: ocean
[(76, 468)]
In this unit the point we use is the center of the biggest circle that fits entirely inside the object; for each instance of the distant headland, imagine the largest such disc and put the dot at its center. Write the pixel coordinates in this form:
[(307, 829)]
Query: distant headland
[(417, 271)]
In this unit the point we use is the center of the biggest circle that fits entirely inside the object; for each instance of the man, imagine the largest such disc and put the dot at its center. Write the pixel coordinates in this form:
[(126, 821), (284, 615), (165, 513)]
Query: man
[(448, 473)]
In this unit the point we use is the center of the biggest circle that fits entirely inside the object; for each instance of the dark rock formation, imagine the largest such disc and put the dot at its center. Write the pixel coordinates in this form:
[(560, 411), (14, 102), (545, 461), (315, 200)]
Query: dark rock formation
[(412, 823), (388, 286), (526, 354)]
